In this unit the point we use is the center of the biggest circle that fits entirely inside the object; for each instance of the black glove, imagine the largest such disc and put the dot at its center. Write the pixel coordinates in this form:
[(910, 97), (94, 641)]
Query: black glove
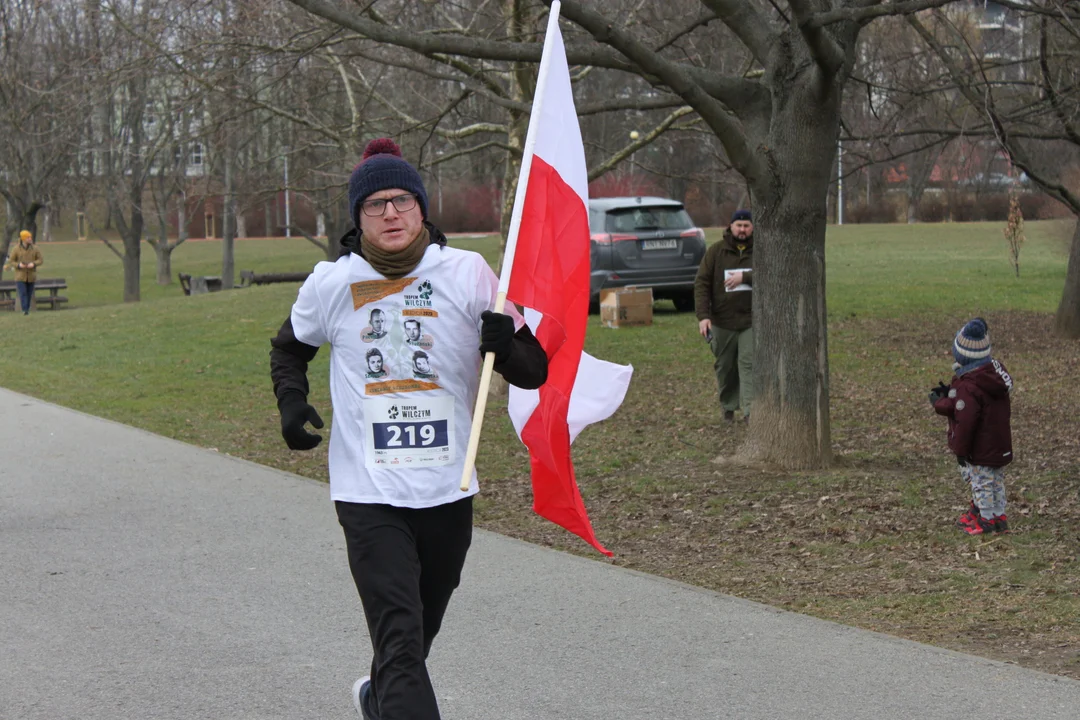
[(295, 412), (496, 335), (942, 390), (961, 461)]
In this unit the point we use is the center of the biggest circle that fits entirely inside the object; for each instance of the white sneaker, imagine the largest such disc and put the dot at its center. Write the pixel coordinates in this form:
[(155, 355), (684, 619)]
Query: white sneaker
[(357, 694)]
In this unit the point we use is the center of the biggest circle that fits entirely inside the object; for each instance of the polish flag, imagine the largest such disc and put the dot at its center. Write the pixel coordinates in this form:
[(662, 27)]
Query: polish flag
[(549, 276)]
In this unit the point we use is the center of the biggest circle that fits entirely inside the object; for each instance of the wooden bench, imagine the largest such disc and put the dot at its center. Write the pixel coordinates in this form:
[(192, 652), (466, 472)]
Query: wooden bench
[(250, 277), (46, 292)]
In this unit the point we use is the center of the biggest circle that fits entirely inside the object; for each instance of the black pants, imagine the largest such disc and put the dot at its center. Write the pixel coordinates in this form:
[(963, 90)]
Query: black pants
[(406, 564)]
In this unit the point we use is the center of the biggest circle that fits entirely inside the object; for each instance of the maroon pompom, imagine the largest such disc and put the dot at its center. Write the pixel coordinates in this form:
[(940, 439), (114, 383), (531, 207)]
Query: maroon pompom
[(382, 146)]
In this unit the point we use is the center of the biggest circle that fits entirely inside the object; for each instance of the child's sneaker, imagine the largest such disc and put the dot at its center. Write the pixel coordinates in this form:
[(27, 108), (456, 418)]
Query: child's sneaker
[(1001, 524), (968, 519), (361, 698), (982, 526)]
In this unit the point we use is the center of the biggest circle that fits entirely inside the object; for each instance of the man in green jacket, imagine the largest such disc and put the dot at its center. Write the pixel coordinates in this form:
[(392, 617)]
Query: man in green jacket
[(722, 299)]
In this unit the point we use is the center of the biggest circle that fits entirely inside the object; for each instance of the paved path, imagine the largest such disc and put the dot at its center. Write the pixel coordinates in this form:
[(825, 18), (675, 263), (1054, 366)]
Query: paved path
[(143, 578)]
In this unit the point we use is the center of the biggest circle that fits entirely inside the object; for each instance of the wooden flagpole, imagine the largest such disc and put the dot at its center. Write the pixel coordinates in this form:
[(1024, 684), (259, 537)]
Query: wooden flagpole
[(511, 243)]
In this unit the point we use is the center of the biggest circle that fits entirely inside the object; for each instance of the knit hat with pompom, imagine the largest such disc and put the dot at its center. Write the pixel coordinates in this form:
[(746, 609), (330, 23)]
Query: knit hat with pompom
[(972, 343), (383, 168)]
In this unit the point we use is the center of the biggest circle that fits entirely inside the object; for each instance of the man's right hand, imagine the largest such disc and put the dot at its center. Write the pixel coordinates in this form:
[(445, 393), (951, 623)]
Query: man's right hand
[(705, 328), (295, 413)]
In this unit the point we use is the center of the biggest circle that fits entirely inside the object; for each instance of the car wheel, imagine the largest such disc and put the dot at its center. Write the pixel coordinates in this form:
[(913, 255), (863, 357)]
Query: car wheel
[(684, 303)]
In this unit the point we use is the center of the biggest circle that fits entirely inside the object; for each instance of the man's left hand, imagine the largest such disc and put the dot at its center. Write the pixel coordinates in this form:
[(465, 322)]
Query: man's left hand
[(734, 280), (496, 335)]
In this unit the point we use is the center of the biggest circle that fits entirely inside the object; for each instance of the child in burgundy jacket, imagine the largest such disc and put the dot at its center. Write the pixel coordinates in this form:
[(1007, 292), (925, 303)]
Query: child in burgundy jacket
[(976, 403)]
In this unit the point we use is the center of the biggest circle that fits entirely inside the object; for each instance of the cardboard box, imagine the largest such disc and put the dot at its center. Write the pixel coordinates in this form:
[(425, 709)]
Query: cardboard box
[(626, 307)]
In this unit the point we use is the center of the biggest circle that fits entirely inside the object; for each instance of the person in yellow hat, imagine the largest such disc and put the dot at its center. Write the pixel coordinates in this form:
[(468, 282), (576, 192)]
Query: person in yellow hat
[(26, 259)]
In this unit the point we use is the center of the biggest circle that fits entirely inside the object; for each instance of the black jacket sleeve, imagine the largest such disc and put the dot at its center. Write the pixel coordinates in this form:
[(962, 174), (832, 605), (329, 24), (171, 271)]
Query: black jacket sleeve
[(289, 359), (527, 365)]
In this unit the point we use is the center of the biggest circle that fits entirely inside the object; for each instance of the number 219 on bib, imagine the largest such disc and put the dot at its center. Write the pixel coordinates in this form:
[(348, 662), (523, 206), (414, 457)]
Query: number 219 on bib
[(410, 435)]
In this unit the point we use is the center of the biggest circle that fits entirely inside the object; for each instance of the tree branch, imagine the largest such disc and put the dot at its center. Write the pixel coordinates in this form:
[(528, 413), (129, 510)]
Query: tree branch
[(826, 53), (452, 44), (1051, 91), (1016, 153), (310, 238), (103, 239), (641, 142), (701, 21), (727, 128), (865, 14), (750, 26)]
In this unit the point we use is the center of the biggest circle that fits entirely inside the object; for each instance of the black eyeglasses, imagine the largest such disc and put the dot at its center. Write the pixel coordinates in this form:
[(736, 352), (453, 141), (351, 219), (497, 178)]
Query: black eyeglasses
[(377, 208)]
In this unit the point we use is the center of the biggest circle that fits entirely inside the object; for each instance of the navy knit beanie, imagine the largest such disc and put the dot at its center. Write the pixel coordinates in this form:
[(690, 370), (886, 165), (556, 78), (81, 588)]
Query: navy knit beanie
[(972, 343), (741, 215), (383, 168)]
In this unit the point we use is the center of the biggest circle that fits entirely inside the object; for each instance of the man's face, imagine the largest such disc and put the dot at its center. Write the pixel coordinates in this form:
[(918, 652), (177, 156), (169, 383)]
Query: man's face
[(422, 364), (392, 231), (377, 321), (374, 363), (412, 330), (742, 229)]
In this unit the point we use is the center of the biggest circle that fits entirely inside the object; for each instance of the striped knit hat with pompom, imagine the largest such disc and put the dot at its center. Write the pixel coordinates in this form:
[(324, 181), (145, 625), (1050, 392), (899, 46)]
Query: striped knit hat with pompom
[(972, 343), (383, 168)]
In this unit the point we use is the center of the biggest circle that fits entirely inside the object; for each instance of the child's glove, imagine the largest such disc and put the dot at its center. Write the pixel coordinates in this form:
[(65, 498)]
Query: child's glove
[(961, 461), (942, 390)]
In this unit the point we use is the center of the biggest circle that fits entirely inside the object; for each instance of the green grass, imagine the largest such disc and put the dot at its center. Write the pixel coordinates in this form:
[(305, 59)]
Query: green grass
[(869, 541), (95, 275)]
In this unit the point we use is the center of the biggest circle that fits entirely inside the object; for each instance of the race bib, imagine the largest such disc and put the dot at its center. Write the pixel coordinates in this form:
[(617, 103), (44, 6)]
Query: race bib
[(417, 432)]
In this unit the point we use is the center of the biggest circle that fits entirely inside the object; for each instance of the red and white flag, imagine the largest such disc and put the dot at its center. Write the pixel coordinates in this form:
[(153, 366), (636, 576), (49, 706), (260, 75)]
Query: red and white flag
[(549, 276)]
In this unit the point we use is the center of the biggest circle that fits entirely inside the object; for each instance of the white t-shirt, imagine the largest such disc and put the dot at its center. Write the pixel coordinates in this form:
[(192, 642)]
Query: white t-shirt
[(404, 372)]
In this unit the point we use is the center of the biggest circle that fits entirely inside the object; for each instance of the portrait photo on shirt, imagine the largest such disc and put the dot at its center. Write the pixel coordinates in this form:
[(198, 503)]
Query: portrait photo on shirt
[(421, 366), (376, 329), (414, 334), (374, 360)]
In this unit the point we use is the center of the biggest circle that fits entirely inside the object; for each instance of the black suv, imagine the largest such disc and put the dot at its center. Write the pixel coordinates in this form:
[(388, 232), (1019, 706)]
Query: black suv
[(648, 242)]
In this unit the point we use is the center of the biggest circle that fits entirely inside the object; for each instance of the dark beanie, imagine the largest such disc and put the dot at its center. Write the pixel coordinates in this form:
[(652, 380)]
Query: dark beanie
[(972, 343), (383, 168), (741, 215)]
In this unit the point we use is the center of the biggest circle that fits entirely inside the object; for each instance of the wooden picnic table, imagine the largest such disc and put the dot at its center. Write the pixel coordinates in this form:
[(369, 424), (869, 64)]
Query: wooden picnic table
[(46, 292)]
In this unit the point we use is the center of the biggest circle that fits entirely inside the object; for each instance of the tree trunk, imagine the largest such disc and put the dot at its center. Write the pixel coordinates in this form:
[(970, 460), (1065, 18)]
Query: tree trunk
[(1067, 319), (228, 259), (10, 229), (29, 218), (181, 216), (5, 245), (164, 262), (131, 233), (790, 410), (133, 257)]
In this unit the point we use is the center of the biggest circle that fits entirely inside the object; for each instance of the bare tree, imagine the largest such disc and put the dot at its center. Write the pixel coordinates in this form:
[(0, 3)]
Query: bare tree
[(1031, 104), (41, 101), (778, 122)]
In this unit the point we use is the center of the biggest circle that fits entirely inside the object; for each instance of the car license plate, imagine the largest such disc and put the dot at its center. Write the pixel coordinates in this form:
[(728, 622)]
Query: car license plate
[(669, 244)]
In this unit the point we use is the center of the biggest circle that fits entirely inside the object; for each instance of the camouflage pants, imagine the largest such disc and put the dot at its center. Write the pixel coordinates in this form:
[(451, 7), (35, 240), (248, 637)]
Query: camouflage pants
[(987, 488)]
